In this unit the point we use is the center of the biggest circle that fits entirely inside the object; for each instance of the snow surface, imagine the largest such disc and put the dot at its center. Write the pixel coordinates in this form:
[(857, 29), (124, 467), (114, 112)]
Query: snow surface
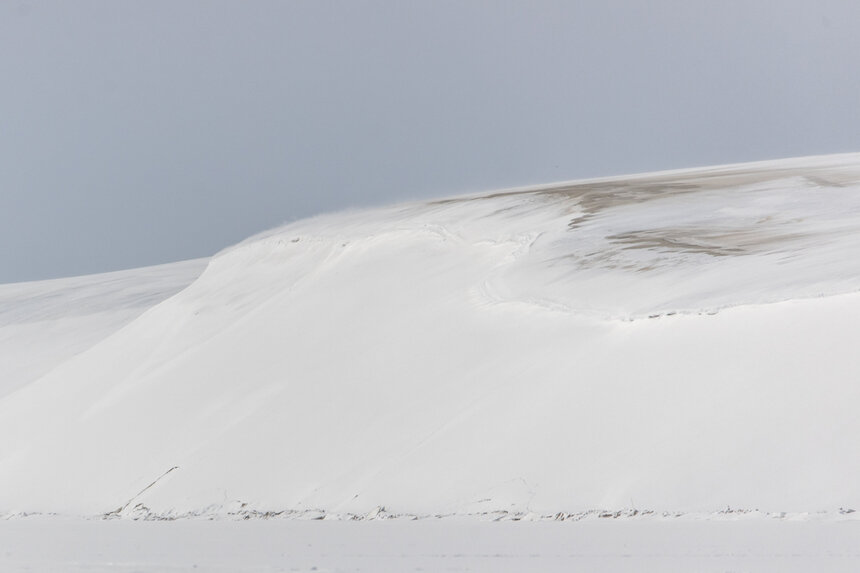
[(680, 545), (45, 323), (678, 342)]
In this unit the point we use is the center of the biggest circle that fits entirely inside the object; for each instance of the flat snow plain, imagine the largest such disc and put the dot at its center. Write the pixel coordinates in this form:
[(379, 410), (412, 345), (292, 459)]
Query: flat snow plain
[(682, 343), (455, 544)]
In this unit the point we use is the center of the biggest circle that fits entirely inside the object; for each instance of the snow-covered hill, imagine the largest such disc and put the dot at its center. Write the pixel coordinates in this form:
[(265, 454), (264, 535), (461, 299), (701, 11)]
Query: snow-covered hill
[(45, 323), (676, 341)]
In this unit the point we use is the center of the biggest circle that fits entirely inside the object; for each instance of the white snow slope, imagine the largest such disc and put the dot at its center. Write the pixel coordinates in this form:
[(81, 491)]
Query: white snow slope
[(45, 323), (677, 341)]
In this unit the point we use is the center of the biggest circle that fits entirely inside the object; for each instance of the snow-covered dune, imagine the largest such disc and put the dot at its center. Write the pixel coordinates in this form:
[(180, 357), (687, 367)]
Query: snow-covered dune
[(44, 323), (676, 341)]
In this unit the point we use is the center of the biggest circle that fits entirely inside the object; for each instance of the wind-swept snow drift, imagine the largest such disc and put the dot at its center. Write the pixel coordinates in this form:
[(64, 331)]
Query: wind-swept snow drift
[(679, 341)]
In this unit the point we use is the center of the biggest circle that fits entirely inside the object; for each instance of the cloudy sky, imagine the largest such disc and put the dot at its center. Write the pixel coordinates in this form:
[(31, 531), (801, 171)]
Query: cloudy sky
[(141, 132)]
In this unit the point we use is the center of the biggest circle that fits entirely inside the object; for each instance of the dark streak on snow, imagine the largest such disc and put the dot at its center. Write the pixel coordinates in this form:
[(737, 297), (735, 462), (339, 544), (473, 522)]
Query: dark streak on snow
[(118, 511)]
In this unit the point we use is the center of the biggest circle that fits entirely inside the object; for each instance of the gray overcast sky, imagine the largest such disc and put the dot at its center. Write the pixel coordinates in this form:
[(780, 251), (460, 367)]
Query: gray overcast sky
[(141, 132)]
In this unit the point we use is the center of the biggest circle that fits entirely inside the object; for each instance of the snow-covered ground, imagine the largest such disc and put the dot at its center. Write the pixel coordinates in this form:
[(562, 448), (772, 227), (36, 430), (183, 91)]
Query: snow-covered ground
[(43, 324), (78, 546), (677, 343)]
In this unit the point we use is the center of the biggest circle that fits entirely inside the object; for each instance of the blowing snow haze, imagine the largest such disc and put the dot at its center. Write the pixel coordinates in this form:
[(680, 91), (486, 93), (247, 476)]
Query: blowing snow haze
[(136, 133)]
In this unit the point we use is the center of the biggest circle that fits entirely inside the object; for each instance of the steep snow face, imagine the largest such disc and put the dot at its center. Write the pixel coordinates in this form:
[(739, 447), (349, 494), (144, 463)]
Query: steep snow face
[(45, 323), (679, 341)]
